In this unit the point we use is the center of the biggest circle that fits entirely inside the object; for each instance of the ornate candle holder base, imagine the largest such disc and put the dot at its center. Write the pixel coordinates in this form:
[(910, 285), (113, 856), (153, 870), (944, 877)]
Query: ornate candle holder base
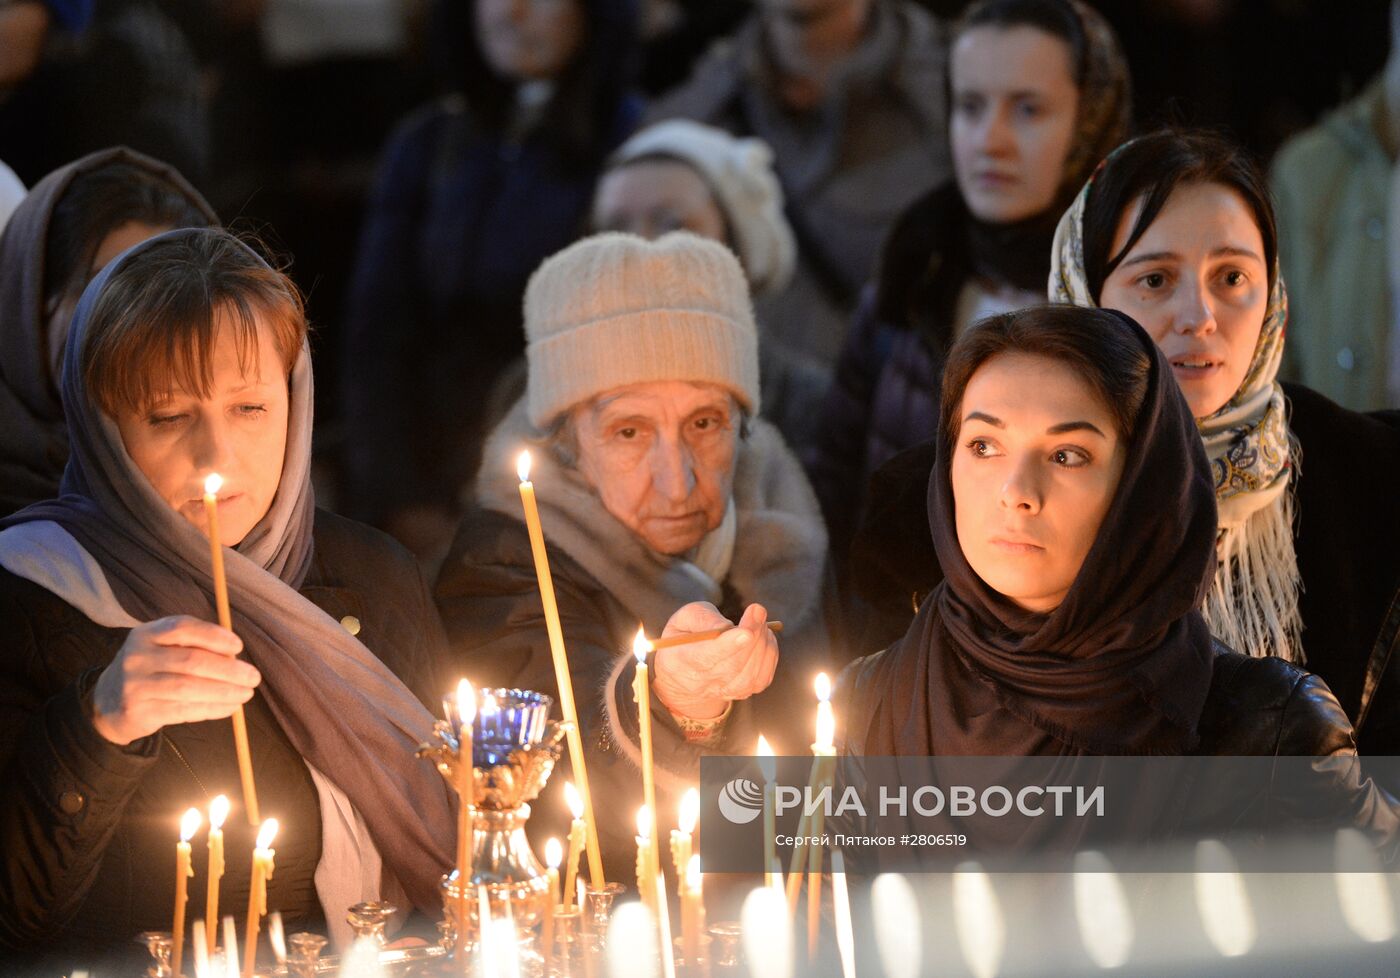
[(724, 953), (697, 967), (161, 947), (565, 958), (514, 746), (304, 954), (370, 920), (599, 903)]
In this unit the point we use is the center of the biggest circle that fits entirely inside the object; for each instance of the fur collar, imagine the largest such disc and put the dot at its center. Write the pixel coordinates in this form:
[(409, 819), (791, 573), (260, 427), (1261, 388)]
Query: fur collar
[(780, 545)]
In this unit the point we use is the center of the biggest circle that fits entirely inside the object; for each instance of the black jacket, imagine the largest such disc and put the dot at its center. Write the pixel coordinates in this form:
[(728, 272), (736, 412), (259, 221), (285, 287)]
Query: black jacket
[(490, 604), (1256, 707), (88, 828), (1347, 540)]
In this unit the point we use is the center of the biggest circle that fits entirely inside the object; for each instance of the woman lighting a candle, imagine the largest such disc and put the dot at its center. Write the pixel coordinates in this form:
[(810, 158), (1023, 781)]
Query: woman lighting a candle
[(188, 356), (662, 500)]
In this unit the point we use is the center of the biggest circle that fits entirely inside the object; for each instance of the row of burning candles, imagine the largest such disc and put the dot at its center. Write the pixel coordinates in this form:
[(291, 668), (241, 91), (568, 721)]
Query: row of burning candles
[(462, 716), (205, 942), (583, 835)]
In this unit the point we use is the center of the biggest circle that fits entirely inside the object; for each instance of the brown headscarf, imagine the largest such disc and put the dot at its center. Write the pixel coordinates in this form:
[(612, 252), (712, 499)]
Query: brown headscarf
[(33, 438), (1019, 253), (1122, 666)]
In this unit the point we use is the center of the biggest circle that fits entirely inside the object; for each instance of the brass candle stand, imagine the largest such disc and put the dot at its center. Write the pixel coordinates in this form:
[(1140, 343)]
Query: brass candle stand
[(514, 749)]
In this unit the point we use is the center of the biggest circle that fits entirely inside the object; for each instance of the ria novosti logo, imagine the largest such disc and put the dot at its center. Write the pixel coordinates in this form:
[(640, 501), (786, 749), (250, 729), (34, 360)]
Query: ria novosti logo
[(741, 801)]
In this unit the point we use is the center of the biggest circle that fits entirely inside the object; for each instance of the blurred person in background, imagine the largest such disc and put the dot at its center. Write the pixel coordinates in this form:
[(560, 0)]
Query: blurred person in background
[(850, 95), (74, 221), (106, 73), (12, 191), (1338, 192), (473, 192), (682, 175), (1040, 94)]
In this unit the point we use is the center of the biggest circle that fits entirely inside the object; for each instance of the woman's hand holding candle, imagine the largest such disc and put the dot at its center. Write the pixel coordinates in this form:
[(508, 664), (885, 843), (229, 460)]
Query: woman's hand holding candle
[(700, 679), (171, 670)]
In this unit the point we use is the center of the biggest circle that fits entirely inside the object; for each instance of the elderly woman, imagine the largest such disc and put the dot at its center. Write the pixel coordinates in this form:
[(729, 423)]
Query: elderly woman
[(188, 356), (665, 503), (680, 175)]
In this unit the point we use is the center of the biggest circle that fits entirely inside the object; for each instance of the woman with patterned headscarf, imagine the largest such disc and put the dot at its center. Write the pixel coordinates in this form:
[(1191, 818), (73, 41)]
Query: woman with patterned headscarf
[(1177, 230), (1040, 93)]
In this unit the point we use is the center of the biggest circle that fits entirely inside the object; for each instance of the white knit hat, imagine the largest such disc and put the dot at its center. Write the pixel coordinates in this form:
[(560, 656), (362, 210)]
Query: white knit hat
[(740, 174), (616, 309)]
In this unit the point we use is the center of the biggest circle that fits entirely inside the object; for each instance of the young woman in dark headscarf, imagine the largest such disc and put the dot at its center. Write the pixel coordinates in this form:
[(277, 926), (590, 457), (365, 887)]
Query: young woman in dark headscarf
[(1177, 229), (187, 356), (1072, 510), (70, 225), (1040, 93)]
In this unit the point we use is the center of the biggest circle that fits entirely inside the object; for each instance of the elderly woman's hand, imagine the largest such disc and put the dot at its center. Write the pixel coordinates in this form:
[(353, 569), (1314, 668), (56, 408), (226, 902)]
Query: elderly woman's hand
[(700, 680), (171, 670)]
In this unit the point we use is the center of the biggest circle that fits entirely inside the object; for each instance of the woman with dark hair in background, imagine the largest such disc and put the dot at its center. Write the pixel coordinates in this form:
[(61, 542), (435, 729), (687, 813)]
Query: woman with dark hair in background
[(1039, 92), (474, 192), (71, 224)]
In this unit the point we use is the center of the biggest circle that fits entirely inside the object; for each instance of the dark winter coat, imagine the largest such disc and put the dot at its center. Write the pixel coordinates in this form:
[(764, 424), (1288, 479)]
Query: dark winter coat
[(89, 827), (459, 219), (889, 378), (1347, 540), (1256, 707)]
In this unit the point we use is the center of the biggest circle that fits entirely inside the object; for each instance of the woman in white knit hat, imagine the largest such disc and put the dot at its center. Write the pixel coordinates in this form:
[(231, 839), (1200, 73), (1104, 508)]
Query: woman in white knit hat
[(680, 175), (665, 502)]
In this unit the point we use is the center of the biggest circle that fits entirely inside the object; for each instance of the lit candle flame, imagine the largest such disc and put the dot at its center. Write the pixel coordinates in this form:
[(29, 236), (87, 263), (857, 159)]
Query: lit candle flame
[(573, 799), (766, 764), (213, 484), (189, 824), (553, 853), (640, 645), (522, 466), (690, 810), (466, 702), (218, 811), (692, 873), (823, 687), (644, 822), (267, 833), (276, 936)]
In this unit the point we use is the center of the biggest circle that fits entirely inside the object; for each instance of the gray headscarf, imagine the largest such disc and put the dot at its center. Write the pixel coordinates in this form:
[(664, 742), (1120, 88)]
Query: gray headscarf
[(342, 709)]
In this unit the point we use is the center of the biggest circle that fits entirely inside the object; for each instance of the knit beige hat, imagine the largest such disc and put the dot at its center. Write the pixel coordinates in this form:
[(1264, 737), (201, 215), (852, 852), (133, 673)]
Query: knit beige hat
[(740, 174), (616, 309)]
